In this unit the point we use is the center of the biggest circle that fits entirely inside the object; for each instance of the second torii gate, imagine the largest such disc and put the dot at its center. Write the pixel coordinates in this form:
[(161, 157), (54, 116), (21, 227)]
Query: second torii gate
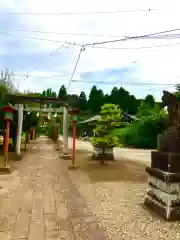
[(20, 99)]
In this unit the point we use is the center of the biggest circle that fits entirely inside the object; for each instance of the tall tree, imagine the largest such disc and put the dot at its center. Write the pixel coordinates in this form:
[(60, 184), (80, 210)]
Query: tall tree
[(149, 99), (107, 98), (132, 104), (82, 101), (114, 97), (95, 100), (62, 95), (73, 100), (124, 99)]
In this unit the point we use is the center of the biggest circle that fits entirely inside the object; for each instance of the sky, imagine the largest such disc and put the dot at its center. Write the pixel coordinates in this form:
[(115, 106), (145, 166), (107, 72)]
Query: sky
[(143, 66)]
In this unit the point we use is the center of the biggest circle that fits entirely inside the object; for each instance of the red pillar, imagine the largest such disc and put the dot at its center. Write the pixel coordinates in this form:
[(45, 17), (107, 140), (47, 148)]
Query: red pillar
[(53, 133), (31, 134), (6, 143)]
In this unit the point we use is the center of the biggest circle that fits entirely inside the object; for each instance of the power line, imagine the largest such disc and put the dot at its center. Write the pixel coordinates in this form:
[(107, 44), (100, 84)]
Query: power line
[(77, 61), (145, 47), (44, 39), (169, 36), (119, 83), (59, 33), (34, 68), (131, 38), (94, 44), (78, 13)]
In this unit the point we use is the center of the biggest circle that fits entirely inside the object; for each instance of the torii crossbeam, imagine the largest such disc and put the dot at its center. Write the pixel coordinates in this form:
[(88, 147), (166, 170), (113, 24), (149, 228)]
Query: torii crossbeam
[(20, 99)]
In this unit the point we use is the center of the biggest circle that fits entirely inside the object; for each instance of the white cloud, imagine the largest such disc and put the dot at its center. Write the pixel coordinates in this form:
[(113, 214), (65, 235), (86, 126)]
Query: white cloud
[(156, 65)]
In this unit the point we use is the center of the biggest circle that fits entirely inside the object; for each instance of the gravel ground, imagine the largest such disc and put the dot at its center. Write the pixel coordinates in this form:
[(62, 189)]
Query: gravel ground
[(139, 155), (119, 206)]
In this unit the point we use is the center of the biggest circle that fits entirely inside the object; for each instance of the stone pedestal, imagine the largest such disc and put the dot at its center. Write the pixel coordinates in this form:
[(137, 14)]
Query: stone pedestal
[(72, 167), (100, 154), (5, 170), (163, 193), (65, 156), (166, 161)]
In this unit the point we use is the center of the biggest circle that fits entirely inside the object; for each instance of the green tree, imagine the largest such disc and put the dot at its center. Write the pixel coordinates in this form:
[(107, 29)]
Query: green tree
[(132, 104), (107, 98), (124, 99), (73, 100), (82, 101), (114, 97), (110, 119), (143, 133), (7, 78), (96, 100), (149, 99), (177, 87), (62, 95), (50, 93)]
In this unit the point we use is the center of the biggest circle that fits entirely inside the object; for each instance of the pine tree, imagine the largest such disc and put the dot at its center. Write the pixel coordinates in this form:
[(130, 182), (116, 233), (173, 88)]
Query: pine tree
[(110, 119)]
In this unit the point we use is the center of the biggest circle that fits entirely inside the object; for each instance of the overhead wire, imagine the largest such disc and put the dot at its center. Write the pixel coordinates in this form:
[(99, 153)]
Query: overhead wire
[(131, 38), (75, 67), (40, 63), (57, 33), (135, 48), (44, 39), (78, 13), (169, 36), (94, 44), (109, 41)]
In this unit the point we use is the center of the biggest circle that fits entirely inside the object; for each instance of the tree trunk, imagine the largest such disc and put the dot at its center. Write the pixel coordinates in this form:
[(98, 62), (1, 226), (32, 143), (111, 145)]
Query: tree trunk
[(102, 158)]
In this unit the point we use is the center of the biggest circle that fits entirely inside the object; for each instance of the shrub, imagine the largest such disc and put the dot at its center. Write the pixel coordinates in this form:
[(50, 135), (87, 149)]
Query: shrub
[(143, 133)]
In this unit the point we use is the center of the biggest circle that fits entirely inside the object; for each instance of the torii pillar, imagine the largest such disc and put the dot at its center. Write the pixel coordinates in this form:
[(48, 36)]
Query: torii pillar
[(65, 154), (19, 130)]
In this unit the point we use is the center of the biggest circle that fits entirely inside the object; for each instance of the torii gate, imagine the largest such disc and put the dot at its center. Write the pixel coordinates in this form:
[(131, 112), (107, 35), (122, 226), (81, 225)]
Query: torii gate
[(20, 99)]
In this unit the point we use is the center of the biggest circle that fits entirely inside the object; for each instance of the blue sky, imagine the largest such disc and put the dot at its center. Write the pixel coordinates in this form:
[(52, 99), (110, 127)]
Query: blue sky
[(139, 69)]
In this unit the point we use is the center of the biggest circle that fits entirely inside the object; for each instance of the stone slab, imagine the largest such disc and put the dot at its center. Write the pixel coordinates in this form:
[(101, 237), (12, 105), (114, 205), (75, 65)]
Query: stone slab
[(97, 151), (167, 199), (36, 231), (72, 167), (21, 230), (165, 176), (98, 154), (5, 170), (168, 187), (168, 213), (65, 156)]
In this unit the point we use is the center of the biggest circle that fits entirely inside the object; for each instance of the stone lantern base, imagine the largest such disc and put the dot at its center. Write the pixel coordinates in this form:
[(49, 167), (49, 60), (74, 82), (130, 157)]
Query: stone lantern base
[(99, 154), (163, 193)]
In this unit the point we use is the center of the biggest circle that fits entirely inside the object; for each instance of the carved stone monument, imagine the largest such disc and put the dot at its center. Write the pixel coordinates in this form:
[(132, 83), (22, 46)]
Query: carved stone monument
[(163, 194)]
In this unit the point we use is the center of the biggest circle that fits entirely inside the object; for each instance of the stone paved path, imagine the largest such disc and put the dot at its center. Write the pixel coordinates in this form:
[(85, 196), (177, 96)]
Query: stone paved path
[(43, 203)]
